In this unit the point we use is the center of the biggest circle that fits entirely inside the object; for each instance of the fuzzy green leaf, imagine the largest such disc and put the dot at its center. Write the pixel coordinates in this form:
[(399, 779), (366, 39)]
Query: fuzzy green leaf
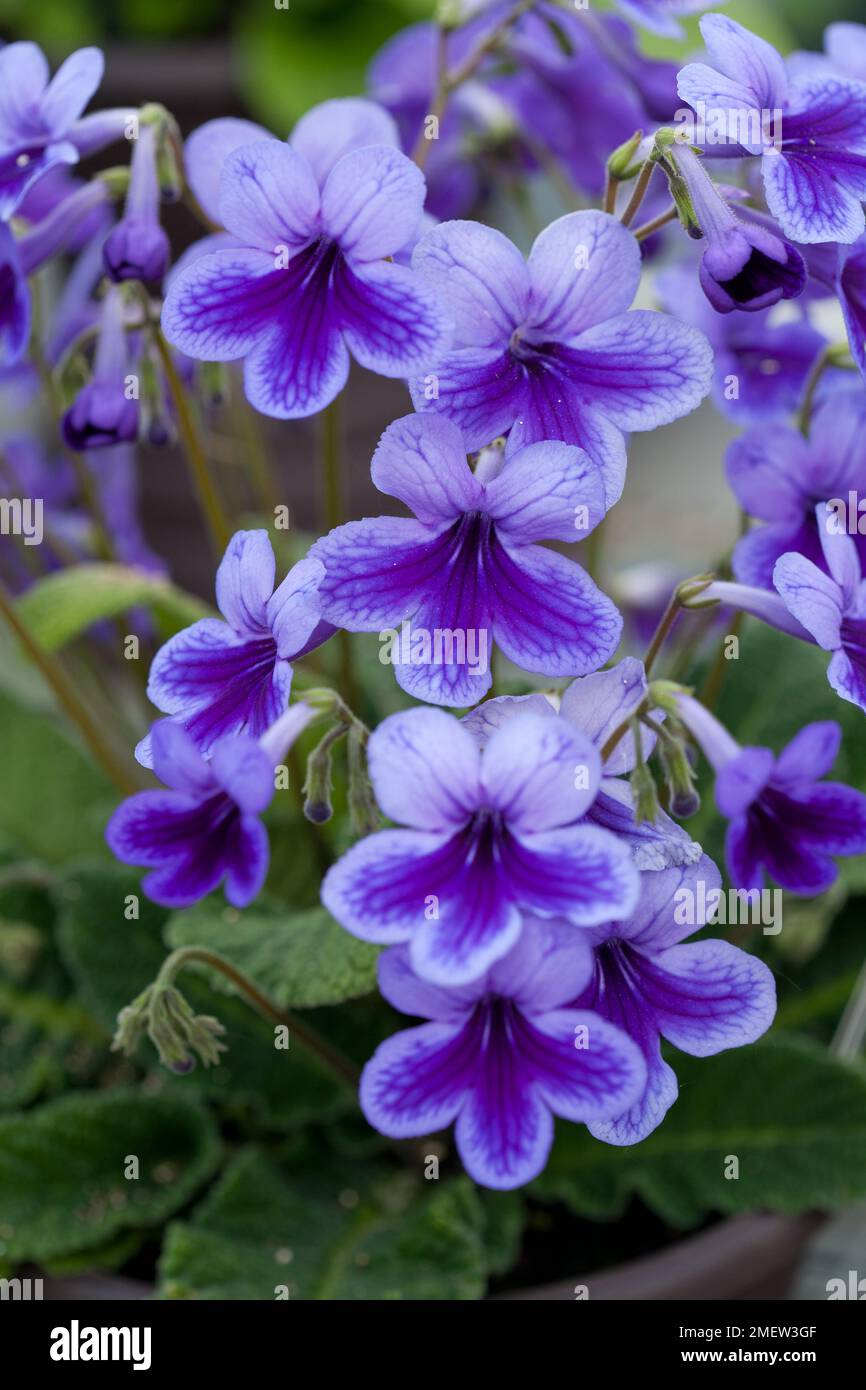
[(63, 605)]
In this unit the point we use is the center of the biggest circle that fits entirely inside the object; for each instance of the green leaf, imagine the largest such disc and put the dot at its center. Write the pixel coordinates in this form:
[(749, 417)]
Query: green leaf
[(301, 961), (793, 1116), (326, 1229), (113, 959), (63, 605), (62, 1183), (54, 803)]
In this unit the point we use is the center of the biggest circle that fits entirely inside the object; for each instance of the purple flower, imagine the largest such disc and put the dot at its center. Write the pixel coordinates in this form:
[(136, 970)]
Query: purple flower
[(660, 16), (827, 607), (206, 827), (138, 248), (779, 477), (744, 265), (782, 818), (703, 996), (105, 412), (216, 677), (546, 350), (500, 1057), (22, 258), (850, 286), (596, 705), (308, 281), (813, 155), (489, 834), (761, 366), (36, 115), (467, 573)]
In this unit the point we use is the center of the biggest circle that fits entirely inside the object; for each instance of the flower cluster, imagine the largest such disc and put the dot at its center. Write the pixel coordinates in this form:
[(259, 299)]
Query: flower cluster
[(534, 890)]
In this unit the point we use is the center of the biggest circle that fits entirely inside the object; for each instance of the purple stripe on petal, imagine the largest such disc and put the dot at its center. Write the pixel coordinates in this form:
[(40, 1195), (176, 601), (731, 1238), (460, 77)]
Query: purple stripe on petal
[(708, 996), (416, 1082), (582, 873), (391, 320)]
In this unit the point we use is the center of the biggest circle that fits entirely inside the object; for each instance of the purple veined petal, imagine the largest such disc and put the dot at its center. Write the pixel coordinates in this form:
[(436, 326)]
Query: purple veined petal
[(672, 904), (177, 761), (832, 818), (648, 1111), (482, 390), (425, 769), (808, 200), (709, 996), (848, 678), (268, 197), (504, 1130), (141, 830), (245, 582), (191, 667), (459, 673), (756, 553), (840, 555), (743, 857), (812, 598), (547, 491), (334, 128), (372, 202), (579, 872), (476, 925), (851, 290), (406, 991), (71, 88), (302, 363), (376, 572), (16, 180), (595, 1080), (538, 773), (421, 459), (584, 268), (247, 861), (392, 322), (740, 782), (548, 615), (206, 151), (767, 469), (484, 278), (809, 756), (221, 304), (829, 112), (483, 721), (382, 887), (181, 883), (747, 60), (551, 964), (245, 773), (24, 77), (293, 610), (662, 844), (416, 1081), (552, 406), (597, 704), (705, 89), (644, 368)]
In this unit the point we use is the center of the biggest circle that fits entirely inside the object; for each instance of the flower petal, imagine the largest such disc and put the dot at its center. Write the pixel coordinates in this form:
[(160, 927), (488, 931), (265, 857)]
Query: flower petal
[(548, 615), (421, 459), (709, 996), (220, 304), (302, 363), (376, 572), (581, 872), (268, 197), (482, 390), (484, 279), (392, 322), (504, 1131), (206, 151), (380, 889), (539, 773), (372, 202), (247, 860), (547, 491), (584, 268), (812, 597), (333, 128), (71, 88), (416, 1081), (245, 582), (425, 768), (586, 1068), (597, 704)]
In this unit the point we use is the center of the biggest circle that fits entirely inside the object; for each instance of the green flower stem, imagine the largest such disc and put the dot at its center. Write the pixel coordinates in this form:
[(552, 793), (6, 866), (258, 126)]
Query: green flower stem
[(647, 229), (639, 193), (67, 697), (209, 499), (309, 1038), (833, 355)]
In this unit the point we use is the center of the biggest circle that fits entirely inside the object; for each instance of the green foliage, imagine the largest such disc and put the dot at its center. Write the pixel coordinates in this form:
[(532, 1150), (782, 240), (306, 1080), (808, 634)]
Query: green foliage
[(326, 1229), (300, 960), (62, 1183), (65, 604), (55, 803), (793, 1116)]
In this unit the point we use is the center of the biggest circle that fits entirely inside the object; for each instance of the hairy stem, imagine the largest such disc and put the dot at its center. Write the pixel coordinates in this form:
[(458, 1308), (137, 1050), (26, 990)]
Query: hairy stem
[(208, 497)]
